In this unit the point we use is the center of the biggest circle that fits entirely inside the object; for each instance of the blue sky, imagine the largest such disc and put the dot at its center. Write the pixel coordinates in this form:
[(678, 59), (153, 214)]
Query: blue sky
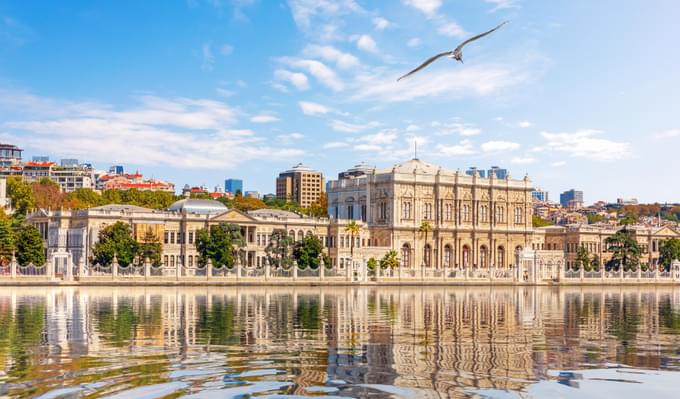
[(576, 93)]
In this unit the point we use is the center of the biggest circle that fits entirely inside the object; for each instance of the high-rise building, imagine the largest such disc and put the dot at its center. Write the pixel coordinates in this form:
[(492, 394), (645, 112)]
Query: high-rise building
[(116, 170), (233, 186), (473, 169), (571, 198), (40, 158), (300, 184), (539, 195), (498, 172), (10, 155), (69, 162)]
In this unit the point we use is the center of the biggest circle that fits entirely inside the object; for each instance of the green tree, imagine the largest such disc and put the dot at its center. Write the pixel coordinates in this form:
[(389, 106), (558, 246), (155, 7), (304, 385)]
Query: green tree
[(669, 251), (319, 208), (308, 252), (371, 264), (150, 247), (624, 248), (425, 228), (20, 194), (83, 198), (353, 229), (537, 221), (582, 259), (117, 240), (280, 249), (30, 247), (595, 263), (628, 219), (389, 260), (47, 194), (221, 244), (7, 242), (595, 218)]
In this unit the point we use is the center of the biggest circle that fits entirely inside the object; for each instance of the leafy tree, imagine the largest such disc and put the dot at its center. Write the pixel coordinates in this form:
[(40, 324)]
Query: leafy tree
[(280, 249), (624, 248), (537, 221), (7, 242), (20, 194), (353, 229), (83, 198), (425, 228), (595, 218), (327, 262), (582, 259), (221, 244), (669, 251), (248, 203), (117, 240), (371, 264), (628, 219), (29, 245), (47, 194), (319, 208), (595, 263), (308, 252), (151, 248), (390, 260)]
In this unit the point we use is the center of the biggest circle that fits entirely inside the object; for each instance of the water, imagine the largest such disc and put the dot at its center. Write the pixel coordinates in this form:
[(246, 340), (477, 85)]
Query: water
[(501, 342)]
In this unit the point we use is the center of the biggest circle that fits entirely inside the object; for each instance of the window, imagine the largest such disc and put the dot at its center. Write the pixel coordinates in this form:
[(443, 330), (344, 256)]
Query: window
[(427, 211), (382, 211), (165, 259), (466, 256), (336, 212), (363, 213), (427, 255), (483, 257), (500, 257), (406, 256), (172, 237), (518, 216), (191, 261), (500, 214), (406, 210), (466, 213), (484, 214), (350, 211), (448, 209), (191, 237), (447, 256), (166, 238)]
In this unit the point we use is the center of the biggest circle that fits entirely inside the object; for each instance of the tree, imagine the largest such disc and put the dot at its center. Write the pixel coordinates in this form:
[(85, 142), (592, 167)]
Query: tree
[(537, 221), (308, 252), (7, 242), (116, 240), (669, 251), (425, 228), (595, 218), (20, 194), (353, 229), (371, 264), (150, 247), (29, 246), (595, 263), (248, 203), (47, 194), (624, 248), (83, 198), (628, 219), (582, 259), (319, 208), (390, 260), (280, 248), (221, 244)]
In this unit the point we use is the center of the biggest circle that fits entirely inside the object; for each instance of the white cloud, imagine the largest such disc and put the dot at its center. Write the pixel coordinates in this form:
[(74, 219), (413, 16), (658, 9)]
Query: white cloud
[(383, 137), (499, 145), (264, 118), (325, 75), (462, 129), (310, 108), (346, 127), (501, 4), (381, 23), (451, 29), (524, 124), (523, 160), (558, 164), (451, 81), (222, 92), (297, 79), (465, 147), (668, 134), (413, 128), (586, 144), (329, 53), (413, 42), (226, 49), (290, 137), (208, 57), (305, 10), (335, 144), (366, 43), (427, 7), (179, 132)]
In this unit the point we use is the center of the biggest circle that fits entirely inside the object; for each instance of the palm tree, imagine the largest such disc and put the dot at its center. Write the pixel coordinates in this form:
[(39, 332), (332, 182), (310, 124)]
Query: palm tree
[(353, 229), (425, 228)]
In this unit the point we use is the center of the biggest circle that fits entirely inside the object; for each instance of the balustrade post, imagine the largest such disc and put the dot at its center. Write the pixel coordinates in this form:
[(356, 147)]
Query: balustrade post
[(208, 269), (69, 268), (114, 267), (580, 273), (639, 273), (13, 267), (239, 272), (322, 271), (267, 270), (178, 271), (147, 267), (348, 270), (81, 267), (295, 271)]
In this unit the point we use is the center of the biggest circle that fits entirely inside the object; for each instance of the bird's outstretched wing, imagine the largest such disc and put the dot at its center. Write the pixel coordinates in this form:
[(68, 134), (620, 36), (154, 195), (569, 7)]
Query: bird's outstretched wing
[(481, 35), (426, 63)]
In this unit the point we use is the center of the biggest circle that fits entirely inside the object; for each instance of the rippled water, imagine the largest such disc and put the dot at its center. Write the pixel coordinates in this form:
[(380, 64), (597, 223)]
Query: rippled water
[(339, 342)]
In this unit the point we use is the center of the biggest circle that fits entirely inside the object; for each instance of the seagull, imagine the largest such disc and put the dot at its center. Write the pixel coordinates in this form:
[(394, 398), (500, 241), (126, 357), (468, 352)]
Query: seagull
[(456, 54)]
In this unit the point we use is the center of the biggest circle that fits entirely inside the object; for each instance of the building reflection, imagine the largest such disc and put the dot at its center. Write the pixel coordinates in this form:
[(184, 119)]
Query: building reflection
[(440, 340)]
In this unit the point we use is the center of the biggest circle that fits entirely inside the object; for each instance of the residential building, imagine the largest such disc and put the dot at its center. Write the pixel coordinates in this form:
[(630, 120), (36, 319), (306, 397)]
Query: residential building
[(252, 194), (473, 170), (69, 162), (300, 184), (539, 195), (10, 156), (69, 178), (498, 172), (571, 199), (233, 186), (40, 158), (624, 202), (127, 181), (116, 170)]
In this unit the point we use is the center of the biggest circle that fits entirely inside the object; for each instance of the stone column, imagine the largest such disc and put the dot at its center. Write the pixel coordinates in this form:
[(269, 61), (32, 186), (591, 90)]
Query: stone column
[(13, 267), (114, 267), (50, 268), (69, 268), (267, 269), (81, 267), (322, 271), (208, 269), (295, 271), (147, 267)]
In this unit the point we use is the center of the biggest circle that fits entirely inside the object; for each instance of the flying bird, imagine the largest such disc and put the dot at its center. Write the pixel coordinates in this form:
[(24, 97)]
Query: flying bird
[(456, 54)]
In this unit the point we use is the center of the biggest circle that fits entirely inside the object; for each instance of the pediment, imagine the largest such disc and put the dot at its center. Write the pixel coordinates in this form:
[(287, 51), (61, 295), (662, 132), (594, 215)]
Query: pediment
[(666, 231), (233, 216)]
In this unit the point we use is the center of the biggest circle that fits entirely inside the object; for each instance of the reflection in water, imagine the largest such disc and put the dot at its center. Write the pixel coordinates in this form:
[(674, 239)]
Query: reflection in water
[(356, 342)]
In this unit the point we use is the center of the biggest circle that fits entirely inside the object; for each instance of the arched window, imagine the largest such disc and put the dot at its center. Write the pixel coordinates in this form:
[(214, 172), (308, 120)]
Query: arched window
[(466, 213), (292, 234), (483, 257), (427, 255), (172, 261), (500, 257), (165, 260), (500, 214), (518, 216), (406, 210), (406, 255), (191, 261), (447, 256), (427, 211), (466, 256), (301, 235), (448, 209), (483, 214)]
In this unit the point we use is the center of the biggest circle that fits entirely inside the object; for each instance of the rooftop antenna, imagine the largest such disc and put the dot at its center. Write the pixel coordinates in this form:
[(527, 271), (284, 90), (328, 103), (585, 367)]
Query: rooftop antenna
[(415, 149)]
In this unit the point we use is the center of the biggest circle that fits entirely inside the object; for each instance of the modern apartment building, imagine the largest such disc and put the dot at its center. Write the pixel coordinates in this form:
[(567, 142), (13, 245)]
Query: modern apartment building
[(300, 184), (571, 199), (233, 186)]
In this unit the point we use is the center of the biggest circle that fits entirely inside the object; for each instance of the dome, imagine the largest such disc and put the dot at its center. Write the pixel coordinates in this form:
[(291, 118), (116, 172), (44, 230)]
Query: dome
[(416, 166), (299, 168), (274, 213), (199, 206)]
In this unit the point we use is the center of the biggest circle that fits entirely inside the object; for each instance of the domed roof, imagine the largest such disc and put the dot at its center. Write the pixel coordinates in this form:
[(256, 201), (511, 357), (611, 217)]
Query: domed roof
[(275, 213), (199, 206), (415, 165), (299, 168)]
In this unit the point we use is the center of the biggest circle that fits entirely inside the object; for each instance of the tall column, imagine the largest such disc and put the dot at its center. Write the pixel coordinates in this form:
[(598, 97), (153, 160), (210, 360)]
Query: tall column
[(114, 268), (13, 267)]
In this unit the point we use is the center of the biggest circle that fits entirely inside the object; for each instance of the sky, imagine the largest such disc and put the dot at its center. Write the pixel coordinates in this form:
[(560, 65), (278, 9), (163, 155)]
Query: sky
[(575, 93)]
